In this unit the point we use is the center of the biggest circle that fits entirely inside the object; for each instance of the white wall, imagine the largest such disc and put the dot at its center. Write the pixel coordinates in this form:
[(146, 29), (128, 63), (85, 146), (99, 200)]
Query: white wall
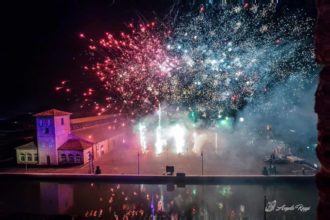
[(25, 152)]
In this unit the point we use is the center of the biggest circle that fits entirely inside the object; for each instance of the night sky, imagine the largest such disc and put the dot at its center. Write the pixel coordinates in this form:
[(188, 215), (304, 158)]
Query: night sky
[(40, 45)]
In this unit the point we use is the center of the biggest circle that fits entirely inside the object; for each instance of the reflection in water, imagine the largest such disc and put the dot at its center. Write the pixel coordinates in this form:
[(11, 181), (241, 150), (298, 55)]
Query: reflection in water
[(55, 198), (140, 201)]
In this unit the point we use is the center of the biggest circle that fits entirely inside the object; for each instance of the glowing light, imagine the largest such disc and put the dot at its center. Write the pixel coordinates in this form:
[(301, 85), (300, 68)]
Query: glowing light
[(225, 191), (242, 208), (194, 191), (195, 150), (178, 133), (159, 140), (143, 139)]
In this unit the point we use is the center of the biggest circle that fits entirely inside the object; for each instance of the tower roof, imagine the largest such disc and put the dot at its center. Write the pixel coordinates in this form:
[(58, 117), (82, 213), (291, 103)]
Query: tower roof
[(28, 146), (52, 112), (75, 144)]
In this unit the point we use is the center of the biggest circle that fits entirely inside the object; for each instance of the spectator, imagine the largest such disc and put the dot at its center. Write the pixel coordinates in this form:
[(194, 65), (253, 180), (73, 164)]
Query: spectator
[(98, 170), (275, 170), (265, 171)]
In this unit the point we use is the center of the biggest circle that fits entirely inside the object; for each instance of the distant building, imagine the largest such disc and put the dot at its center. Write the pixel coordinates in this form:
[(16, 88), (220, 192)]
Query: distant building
[(27, 154), (61, 140)]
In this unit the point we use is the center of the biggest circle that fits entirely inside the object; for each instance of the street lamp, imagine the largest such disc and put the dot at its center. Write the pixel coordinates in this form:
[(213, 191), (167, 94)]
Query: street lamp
[(138, 155), (90, 161), (216, 142), (265, 204), (202, 155), (25, 161)]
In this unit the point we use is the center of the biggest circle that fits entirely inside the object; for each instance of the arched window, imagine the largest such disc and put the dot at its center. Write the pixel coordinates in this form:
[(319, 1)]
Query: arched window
[(78, 158), (71, 158), (63, 158), (29, 157), (22, 157)]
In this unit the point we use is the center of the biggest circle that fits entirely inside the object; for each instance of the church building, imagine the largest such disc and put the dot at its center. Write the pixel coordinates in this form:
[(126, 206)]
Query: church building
[(62, 140)]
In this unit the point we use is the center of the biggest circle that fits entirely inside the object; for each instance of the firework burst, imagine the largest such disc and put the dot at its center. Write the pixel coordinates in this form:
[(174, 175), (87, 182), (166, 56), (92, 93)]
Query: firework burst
[(232, 57), (213, 62), (130, 69)]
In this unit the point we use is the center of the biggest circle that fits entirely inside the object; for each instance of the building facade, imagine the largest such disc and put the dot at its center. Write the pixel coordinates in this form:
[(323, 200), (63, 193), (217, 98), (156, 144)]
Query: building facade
[(27, 154), (53, 130), (61, 140)]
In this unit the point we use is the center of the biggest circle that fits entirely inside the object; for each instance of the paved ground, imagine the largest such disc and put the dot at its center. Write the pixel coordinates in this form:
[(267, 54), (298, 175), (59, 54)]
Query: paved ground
[(125, 161)]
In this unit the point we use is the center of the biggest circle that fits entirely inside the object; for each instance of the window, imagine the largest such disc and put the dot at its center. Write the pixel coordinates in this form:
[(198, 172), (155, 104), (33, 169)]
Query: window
[(78, 158), (62, 121), (71, 158), (48, 122), (35, 157), (46, 130), (90, 156), (63, 158), (29, 157), (22, 157), (40, 122)]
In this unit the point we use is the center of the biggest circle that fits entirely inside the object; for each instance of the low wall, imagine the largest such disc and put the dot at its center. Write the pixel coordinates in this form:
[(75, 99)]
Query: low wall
[(211, 180)]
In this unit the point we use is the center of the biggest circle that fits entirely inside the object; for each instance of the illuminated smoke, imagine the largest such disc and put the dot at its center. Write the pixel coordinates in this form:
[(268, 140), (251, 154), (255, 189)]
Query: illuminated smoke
[(160, 142), (142, 135), (178, 133)]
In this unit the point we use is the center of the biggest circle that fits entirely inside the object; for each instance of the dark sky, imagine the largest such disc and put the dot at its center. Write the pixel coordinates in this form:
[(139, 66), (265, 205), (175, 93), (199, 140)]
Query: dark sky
[(40, 45)]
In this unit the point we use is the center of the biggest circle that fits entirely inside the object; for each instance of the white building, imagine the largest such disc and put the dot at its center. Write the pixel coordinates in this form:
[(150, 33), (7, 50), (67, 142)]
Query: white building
[(27, 154), (61, 140)]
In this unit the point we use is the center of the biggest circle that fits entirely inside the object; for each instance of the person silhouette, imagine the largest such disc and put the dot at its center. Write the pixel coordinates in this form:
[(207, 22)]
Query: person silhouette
[(98, 170)]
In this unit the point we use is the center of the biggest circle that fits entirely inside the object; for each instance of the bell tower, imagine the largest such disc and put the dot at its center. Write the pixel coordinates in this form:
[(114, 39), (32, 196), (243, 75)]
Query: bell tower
[(53, 130)]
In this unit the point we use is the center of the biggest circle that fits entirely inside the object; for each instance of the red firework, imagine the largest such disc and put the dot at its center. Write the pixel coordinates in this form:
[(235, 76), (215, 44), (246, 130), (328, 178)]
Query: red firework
[(130, 69)]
